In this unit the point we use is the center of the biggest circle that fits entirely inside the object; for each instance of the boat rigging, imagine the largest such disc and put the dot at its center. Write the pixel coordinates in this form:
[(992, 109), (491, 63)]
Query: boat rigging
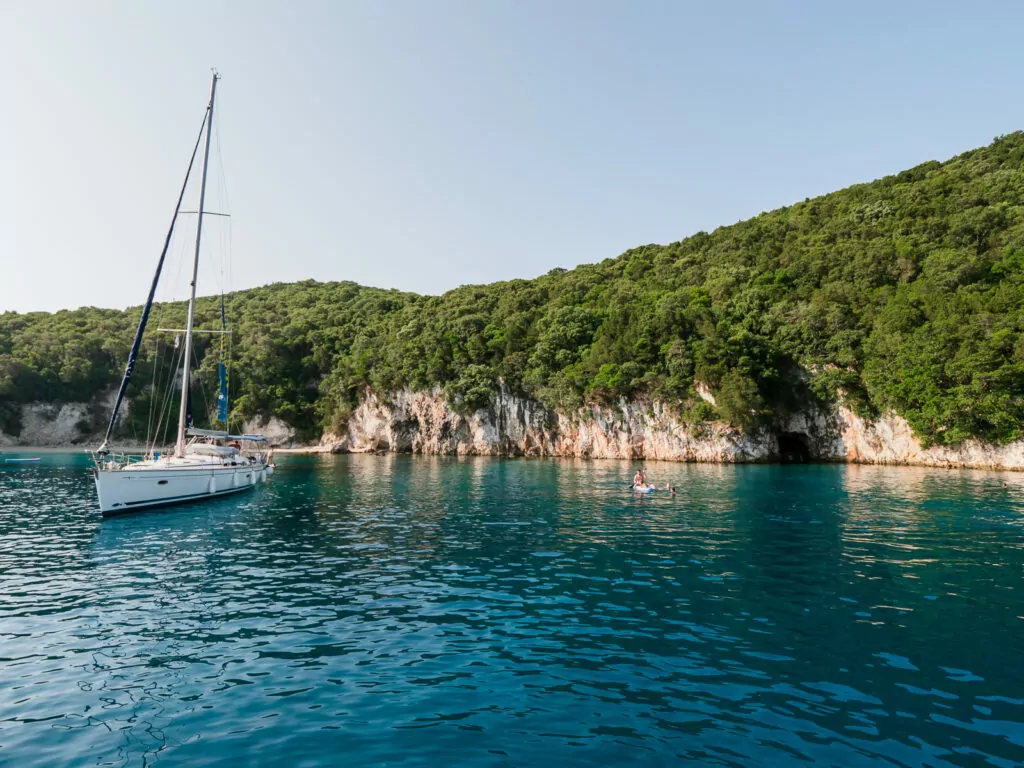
[(201, 465)]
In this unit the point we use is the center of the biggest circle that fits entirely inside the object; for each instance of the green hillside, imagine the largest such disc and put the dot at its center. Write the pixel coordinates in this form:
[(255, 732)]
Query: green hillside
[(904, 294)]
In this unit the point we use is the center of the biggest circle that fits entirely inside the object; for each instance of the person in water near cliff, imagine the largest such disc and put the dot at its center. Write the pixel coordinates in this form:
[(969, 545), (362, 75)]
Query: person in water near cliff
[(640, 483)]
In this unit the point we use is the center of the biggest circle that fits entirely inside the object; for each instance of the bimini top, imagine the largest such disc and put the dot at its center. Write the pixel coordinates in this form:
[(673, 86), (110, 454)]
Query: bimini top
[(193, 432)]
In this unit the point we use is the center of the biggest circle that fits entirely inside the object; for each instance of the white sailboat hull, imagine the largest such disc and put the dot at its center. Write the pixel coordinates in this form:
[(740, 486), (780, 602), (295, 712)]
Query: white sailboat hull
[(172, 481)]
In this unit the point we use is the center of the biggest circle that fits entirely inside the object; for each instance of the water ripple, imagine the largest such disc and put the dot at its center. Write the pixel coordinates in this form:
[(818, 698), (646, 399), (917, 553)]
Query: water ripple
[(476, 612)]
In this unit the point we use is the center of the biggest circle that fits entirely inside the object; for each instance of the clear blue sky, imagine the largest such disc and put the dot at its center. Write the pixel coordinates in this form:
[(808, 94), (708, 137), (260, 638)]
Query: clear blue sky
[(422, 145)]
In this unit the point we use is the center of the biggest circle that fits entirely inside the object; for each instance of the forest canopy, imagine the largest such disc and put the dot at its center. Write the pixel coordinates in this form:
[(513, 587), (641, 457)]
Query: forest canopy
[(902, 294)]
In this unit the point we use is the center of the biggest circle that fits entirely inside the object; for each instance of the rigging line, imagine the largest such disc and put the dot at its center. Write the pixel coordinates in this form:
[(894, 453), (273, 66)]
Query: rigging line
[(229, 255), (222, 192), (159, 402), (152, 394), (164, 419), (160, 399), (130, 366), (222, 369), (169, 400), (202, 384), (225, 205), (229, 384), (154, 435), (165, 410), (154, 361), (180, 247)]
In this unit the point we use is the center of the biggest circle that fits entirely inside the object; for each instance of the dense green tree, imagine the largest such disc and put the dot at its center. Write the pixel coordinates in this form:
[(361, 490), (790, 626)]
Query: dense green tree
[(906, 294)]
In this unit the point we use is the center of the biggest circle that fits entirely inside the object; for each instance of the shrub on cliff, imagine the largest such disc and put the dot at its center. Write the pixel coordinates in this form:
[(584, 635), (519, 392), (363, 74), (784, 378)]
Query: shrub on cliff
[(473, 389)]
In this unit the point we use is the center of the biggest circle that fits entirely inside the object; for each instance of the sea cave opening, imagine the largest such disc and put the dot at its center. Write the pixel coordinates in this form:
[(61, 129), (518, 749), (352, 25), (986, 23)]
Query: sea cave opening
[(794, 448)]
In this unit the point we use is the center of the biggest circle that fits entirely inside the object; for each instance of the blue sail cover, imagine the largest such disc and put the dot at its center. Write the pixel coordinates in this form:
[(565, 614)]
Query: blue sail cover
[(134, 353), (222, 396), (222, 371)]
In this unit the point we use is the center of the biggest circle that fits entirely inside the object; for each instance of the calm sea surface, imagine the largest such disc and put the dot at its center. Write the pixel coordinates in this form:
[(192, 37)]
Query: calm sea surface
[(433, 611)]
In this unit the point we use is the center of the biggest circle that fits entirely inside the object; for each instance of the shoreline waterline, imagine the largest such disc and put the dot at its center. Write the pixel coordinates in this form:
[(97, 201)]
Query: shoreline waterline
[(326, 450)]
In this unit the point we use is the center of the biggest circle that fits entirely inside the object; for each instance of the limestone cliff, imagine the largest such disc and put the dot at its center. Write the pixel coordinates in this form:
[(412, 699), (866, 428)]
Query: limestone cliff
[(423, 422), (49, 424), (63, 424), (72, 424)]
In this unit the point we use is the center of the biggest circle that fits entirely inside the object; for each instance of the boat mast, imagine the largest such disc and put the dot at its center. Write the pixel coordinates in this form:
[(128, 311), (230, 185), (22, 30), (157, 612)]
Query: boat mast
[(179, 449)]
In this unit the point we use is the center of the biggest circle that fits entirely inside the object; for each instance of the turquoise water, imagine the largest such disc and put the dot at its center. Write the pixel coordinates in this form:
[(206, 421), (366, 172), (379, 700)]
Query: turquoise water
[(416, 611)]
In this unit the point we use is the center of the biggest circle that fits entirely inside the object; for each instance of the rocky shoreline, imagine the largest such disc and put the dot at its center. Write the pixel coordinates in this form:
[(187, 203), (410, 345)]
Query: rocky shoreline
[(424, 423), (421, 422)]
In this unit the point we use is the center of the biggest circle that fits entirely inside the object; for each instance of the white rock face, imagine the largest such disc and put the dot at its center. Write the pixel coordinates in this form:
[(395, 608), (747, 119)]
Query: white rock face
[(276, 430), (704, 392), (423, 422), (55, 425), (61, 424), (890, 440), (47, 424)]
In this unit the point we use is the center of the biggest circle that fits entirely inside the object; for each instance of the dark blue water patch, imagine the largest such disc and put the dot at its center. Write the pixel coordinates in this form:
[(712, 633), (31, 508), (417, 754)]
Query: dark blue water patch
[(424, 611)]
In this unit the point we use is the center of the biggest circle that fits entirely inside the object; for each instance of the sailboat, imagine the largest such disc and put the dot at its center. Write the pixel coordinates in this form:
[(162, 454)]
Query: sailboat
[(204, 463)]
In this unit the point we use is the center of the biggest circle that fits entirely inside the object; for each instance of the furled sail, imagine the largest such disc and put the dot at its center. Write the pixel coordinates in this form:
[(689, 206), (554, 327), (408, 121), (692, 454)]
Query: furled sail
[(134, 353), (222, 370)]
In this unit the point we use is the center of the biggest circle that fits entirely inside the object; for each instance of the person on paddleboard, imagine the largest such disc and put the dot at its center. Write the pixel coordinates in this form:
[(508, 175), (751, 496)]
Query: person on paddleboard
[(640, 484)]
